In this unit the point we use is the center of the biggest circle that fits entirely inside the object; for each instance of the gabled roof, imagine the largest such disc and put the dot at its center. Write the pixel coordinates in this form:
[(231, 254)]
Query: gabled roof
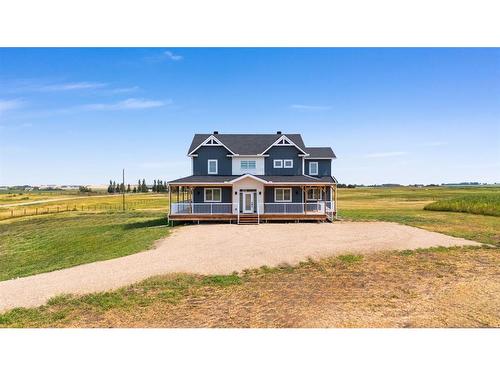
[(320, 152), (247, 144)]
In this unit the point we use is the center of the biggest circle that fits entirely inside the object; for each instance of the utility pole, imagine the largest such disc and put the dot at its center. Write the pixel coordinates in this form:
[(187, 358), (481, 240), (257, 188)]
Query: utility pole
[(123, 190)]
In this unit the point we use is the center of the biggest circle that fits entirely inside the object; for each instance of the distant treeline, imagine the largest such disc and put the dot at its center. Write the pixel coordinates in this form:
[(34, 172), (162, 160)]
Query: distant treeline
[(159, 186)]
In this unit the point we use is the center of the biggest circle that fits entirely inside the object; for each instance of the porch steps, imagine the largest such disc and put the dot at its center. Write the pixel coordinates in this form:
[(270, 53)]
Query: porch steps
[(249, 219)]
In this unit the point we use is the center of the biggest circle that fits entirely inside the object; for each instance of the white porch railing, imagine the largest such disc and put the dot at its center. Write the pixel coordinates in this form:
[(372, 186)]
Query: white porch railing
[(298, 208), (187, 208)]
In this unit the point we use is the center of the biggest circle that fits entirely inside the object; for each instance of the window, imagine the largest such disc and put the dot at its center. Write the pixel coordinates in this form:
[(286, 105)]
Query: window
[(277, 163), (247, 164), (288, 163), (212, 195), (283, 195), (313, 168), (212, 166), (314, 194)]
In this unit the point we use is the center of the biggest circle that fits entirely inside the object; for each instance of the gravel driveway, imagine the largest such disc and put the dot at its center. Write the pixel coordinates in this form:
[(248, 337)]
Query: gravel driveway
[(218, 249)]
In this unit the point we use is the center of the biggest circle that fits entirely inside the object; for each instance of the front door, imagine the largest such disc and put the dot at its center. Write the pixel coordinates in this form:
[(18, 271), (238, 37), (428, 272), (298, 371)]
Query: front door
[(248, 202)]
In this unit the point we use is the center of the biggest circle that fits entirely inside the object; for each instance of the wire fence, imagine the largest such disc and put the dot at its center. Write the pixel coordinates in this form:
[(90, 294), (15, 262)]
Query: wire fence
[(97, 207)]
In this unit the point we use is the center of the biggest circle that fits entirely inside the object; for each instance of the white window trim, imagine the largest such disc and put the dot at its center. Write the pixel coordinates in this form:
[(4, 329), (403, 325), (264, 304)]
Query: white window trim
[(212, 200), (280, 162), (317, 168), (216, 166), (283, 200), (288, 160), (248, 167), (319, 197)]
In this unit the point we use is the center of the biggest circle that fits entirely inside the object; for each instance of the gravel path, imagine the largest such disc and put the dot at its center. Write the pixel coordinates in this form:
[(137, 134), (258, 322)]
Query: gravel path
[(218, 249)]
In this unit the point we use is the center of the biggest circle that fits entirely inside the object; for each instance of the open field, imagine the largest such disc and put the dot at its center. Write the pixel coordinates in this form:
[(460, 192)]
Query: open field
[(97, 203), (426, 288), (475, 204), (406, 206), (55, 241), (434, 288)]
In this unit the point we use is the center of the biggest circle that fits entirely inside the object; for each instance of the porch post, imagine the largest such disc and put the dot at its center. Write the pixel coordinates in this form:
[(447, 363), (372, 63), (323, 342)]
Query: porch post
[(170, 199), (336, 200)]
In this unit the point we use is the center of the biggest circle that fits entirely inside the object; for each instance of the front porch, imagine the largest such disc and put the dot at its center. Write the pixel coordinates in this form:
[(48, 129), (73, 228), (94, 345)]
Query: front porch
[(260, 203)]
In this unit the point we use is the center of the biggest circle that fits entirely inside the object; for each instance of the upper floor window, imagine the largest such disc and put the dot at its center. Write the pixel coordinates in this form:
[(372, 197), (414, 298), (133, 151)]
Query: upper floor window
[(313, 168), (212, 166), (288, 163), (248, 164), (277, 163)]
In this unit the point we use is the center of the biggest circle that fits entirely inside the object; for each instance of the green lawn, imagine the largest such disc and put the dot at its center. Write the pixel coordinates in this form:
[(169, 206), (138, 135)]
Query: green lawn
[(406, 206), (480, 204), (50, 242)]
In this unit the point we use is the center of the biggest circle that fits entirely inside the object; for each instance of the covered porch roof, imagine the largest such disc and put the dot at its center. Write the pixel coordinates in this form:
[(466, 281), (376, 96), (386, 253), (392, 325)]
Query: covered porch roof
[(266, 180)]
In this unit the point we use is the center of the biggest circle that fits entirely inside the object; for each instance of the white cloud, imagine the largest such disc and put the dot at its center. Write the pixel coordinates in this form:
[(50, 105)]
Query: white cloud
[(131, 103), (171, 56), (123, 90), (385, 154), (69, 86), (433, 144), (7, 105), (305, 107)]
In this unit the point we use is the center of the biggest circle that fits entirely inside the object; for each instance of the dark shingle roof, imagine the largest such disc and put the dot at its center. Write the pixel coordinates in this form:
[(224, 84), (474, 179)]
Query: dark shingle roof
[(274, 179), (246, 144), (320, 152)]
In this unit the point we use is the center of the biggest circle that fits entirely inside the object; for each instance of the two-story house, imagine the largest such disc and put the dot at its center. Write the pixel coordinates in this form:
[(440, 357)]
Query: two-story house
[(251, 178)]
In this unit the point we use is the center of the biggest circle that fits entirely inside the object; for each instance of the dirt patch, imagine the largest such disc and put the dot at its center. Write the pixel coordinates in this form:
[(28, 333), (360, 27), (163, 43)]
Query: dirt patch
[(222, 249)]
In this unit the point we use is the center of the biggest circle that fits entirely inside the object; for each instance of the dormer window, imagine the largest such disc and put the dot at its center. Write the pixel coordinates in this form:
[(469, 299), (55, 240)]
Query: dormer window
[(248, 164), (212, 166), (313, 168)]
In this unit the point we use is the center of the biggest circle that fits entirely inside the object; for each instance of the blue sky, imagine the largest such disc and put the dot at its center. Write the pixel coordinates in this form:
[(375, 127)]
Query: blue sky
[(78, 116)]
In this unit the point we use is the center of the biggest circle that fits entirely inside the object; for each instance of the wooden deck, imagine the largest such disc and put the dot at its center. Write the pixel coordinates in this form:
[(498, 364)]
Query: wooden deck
[(263, 217)]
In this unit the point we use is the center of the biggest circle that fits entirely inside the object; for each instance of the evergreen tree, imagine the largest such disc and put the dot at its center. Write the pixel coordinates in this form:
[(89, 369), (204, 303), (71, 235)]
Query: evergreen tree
[(138, 186), (144, 188), (135, 190), (110, 187), (128, 188), (154, 186), (122, 187), (113, 187)]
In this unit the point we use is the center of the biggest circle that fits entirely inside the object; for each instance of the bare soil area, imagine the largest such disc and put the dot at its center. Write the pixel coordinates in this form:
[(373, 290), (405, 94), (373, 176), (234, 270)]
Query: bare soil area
[(222, 249)]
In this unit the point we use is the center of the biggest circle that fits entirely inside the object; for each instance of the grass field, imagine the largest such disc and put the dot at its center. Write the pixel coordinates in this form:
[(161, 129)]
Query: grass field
[(433, 288), (50, 242), (480, 204), (406, 206)]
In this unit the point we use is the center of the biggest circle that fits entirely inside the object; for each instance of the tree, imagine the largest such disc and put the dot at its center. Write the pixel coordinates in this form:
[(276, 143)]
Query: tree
[(113, 187), (128, 188), (155, 187), (134, 190), (110, 187), (144, 188)]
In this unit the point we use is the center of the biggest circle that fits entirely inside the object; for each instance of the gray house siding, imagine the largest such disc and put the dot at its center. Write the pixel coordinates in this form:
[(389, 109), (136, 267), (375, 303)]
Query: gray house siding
[(283, 152), (324, 167), (200, 162), (269, 195), (199, 195)]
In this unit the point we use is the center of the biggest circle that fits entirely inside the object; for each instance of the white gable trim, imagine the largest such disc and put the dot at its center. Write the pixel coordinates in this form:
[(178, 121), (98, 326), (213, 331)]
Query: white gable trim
[(211, 141), (284, 141), (250, 176)]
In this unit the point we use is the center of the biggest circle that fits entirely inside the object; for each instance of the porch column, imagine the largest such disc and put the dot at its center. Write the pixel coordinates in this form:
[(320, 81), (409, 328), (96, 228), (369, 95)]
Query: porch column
[(170, 199)]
